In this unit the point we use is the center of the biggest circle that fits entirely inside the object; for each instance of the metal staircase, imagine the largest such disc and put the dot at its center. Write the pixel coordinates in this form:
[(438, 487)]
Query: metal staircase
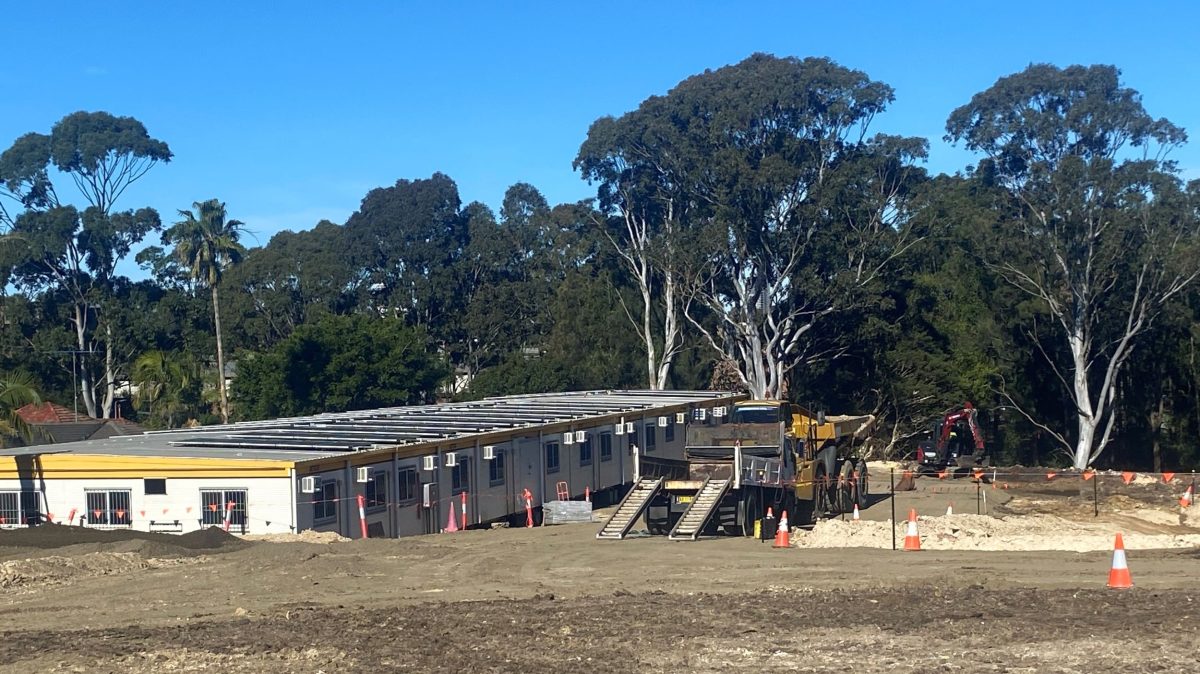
[(699, 511), (631, 508)]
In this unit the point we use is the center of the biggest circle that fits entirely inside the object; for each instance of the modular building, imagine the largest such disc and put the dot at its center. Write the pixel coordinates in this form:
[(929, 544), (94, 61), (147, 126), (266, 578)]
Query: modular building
[(406, 466)]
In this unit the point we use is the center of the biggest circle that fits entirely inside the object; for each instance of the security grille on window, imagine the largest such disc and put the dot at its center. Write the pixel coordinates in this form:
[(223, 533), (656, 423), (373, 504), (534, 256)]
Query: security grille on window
[(496, 469), (460, 476), (669, 433), (408, 488), (19, 507), (551, 457), (585, 453), (375, 490), (214, 502), (325, 501), (651, 432), (108, 507), (605, 447)]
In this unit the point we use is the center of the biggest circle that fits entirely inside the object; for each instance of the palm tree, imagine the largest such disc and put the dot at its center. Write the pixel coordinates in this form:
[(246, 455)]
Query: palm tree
[(206, 243), (16, 391), (162, 379)]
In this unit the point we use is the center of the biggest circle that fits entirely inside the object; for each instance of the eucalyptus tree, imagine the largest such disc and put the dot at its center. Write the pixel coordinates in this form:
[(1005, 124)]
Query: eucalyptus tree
[(758, 188), (1104, 236), (51, 244), (641, 212), (206, 244)]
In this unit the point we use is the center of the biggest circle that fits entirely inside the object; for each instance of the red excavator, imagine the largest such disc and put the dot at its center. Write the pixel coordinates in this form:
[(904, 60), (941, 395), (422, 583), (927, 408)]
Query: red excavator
[(955, 442)]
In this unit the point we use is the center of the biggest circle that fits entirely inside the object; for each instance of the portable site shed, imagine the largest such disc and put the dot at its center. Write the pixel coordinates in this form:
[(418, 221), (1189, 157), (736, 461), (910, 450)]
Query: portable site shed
[(409, 465)]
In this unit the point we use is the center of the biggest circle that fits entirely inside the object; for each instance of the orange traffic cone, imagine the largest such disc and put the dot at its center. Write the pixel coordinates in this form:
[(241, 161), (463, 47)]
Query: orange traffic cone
[(912, 540), (451, 523), (1186, 501), (1118, 575), (856, 518), (783, 535)]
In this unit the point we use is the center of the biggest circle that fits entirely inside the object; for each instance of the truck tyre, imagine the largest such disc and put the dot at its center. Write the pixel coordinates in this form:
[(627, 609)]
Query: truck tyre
[(845, 489), (864, 487), (745, 516)]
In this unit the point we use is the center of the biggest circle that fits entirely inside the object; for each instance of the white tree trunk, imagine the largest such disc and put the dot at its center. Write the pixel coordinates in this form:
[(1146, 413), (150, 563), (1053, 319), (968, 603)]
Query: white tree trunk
[(220, 358), (79, 361), (110, 376)]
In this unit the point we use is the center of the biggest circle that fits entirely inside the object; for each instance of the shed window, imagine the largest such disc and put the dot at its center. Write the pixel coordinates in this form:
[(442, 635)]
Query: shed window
[(496, 470), (215, 502), (108, 507), (325, 501)]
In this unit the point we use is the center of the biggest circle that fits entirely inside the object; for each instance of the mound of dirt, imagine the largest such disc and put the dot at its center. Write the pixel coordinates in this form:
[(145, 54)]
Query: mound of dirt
[(57, 570), (980, 532), (306, 536), (53, 536)]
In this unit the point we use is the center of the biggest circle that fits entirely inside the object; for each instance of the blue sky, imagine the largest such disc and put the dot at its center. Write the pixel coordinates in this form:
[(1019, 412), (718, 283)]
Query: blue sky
[(291, 112)]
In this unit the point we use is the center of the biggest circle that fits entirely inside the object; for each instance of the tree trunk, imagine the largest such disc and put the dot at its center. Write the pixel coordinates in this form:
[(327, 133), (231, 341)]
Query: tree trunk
[(110, 376), (220, 357), (85, 382), (1157, 424), (1085, 413)]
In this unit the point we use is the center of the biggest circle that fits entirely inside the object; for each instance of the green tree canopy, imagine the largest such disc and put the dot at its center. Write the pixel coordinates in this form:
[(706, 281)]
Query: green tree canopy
[(339, 363)]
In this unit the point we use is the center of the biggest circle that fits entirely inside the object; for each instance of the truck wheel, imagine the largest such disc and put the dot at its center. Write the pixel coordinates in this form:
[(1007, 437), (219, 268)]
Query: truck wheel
[(745, 517), (820, 502), (845, 487), (864, 488)]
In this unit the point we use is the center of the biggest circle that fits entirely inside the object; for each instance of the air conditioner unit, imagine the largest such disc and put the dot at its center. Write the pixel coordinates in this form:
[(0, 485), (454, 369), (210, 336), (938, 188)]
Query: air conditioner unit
[(308, 485), (362, 474), (619, 429), (629, 427), (451, 459), (568, 438), (700, 414), (679, 417), (581, 436), (662, 422), (429, 462), (719, 411), (489, 452)]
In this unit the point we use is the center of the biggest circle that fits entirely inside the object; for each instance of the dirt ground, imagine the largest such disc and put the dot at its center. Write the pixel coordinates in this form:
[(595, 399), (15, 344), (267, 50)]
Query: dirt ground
[(556, 599)]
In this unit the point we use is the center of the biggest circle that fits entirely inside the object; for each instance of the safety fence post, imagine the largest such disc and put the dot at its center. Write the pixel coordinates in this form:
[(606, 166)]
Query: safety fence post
[(362, 515)]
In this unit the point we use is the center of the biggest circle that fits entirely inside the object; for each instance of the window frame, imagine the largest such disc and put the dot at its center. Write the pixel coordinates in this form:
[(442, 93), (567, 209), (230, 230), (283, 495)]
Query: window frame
[(669, 433), (557, 457), (378, 480), (325, 503), (606, 448), (111, 511), (650, 435), (20, 514), (402, 485), (238, 518), (497, 466), (146, 486), (586, 445), (460, 470)]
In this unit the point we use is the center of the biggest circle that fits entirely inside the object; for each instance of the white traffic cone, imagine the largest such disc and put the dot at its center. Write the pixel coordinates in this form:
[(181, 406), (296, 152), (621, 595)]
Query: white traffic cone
[(855, 518), (949, 509)]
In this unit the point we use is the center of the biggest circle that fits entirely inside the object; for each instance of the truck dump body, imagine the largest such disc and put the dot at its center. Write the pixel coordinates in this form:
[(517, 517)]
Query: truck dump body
[(717, 442)]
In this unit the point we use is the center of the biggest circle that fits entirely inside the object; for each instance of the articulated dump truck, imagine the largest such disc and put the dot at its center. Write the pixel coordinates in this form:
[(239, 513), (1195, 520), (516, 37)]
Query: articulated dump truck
[(768, 454)]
